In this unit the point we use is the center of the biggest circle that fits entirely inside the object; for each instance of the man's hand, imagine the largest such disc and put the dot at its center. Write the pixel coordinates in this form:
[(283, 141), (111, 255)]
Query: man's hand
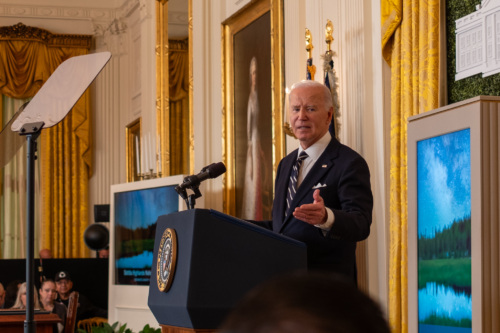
[(314, 213)]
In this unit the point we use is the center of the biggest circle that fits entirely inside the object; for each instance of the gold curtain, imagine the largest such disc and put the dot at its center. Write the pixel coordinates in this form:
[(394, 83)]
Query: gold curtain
[(179, 106), (27, 58), (410, 45), (13, 196)]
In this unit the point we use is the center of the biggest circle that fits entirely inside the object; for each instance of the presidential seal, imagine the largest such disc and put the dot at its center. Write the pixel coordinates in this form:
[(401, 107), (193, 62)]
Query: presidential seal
[(167, 257)]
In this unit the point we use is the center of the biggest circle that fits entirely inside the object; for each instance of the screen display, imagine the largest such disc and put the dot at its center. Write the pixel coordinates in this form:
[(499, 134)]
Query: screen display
[(444, 233), (136, 213)]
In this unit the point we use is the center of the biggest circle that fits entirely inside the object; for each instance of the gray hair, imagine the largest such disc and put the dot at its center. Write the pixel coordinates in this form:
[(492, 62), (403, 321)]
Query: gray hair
[(327, 96)]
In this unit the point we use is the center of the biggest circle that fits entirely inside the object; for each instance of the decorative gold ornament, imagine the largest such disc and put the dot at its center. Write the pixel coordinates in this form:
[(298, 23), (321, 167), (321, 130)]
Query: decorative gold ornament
[(309, 45), (329, 34)]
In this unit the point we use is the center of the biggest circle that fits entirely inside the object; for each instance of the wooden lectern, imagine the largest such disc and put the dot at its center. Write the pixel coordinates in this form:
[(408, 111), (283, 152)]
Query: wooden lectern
[(205, 261), (13, 321)]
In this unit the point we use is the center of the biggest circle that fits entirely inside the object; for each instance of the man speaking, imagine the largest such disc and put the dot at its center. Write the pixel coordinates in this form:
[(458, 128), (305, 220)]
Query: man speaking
[(322, 191)]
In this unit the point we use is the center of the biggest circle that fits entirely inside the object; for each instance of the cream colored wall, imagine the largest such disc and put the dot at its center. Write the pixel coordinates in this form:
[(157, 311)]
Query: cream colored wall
[(125, 89)]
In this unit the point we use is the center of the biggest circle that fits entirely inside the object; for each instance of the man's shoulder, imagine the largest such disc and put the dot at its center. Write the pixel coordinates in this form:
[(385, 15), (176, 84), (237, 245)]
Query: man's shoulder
[(291, 156), (343, 150), (82, 298)]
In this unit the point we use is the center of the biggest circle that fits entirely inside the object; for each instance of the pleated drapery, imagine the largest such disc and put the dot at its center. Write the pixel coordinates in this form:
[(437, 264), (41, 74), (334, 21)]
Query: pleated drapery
[(410, 45), (179, 106), (28, 56), (13, 194)]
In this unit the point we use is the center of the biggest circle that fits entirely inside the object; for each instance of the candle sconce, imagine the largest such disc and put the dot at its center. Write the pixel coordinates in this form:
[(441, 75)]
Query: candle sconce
[(139, 153), (149, 175)]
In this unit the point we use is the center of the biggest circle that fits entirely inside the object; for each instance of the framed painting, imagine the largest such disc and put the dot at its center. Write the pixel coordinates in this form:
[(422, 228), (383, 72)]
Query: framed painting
[(253, 139)]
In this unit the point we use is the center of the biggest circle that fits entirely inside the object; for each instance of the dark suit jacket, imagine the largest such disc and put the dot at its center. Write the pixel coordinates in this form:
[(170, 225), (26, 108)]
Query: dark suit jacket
[(347, 193)]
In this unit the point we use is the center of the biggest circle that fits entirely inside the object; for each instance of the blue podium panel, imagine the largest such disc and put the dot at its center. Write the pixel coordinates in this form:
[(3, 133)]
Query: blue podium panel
[(218, 259)]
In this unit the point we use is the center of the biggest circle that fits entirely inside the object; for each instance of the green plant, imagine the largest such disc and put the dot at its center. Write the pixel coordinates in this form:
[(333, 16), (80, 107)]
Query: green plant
[(148, 329), (115, 328)]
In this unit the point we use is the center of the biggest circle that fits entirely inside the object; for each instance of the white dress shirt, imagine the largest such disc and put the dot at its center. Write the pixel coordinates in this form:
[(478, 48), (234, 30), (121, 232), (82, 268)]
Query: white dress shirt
[(314, 152)]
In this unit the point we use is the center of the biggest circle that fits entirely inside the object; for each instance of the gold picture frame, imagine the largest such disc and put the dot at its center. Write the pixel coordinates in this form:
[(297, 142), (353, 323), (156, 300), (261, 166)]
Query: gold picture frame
[(253, 36), (172, 159), (133, 150)]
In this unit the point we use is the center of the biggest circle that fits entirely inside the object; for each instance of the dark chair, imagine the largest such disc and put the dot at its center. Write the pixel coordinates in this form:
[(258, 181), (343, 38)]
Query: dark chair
[(69, 327)]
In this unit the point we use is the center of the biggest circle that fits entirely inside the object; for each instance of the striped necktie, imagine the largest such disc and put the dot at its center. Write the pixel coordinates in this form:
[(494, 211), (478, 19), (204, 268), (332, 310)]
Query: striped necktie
[(292, 184)]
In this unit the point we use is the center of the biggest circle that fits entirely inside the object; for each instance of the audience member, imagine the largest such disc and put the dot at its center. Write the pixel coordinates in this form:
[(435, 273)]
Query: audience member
[(104, 253), (2, 296), (64, 287), (306, 302), (11, 293), (48, 294), (45, 254), (20, 302)]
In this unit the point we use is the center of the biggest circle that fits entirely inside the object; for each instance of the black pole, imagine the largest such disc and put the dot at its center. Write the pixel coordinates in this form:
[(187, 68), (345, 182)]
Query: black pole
[(32, 131), (192, 201), (29, 324)]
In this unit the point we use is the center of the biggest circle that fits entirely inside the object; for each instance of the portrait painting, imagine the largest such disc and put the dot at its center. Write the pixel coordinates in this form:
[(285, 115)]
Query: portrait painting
[(252, 120), (250, 116)]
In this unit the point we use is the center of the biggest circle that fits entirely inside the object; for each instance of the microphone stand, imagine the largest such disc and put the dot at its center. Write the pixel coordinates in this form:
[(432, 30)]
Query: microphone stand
[(193, 182), (191, 199), (31, 131)]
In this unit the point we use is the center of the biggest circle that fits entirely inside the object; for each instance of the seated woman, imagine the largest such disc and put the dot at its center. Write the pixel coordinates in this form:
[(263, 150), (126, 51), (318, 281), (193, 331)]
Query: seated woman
[(47, 295), (20, 302)]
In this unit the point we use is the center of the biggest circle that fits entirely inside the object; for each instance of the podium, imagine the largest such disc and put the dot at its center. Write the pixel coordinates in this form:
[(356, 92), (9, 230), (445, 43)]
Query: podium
[(12, 321), (218, 258)]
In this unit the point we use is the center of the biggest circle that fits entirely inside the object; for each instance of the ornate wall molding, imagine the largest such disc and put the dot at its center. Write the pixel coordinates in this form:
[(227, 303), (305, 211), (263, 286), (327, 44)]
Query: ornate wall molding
[(145, 8), (22, 32), (54, 12)]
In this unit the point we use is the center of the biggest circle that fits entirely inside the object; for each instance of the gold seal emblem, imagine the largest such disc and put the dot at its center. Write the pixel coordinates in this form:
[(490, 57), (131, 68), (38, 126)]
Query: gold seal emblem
[(167, 258)]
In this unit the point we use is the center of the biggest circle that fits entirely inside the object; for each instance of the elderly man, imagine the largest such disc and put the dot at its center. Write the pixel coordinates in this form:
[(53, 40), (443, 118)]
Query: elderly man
[(322, 191)]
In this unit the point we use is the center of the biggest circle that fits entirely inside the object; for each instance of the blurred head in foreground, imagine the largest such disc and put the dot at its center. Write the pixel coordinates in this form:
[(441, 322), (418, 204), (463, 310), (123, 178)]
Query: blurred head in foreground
[(306, 303)]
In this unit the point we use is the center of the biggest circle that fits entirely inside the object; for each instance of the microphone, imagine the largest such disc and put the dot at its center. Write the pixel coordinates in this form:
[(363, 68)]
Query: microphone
[(213, 170)]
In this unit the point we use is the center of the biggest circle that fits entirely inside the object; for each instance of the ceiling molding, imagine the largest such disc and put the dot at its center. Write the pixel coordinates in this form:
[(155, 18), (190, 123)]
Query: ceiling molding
[(54, 12)]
